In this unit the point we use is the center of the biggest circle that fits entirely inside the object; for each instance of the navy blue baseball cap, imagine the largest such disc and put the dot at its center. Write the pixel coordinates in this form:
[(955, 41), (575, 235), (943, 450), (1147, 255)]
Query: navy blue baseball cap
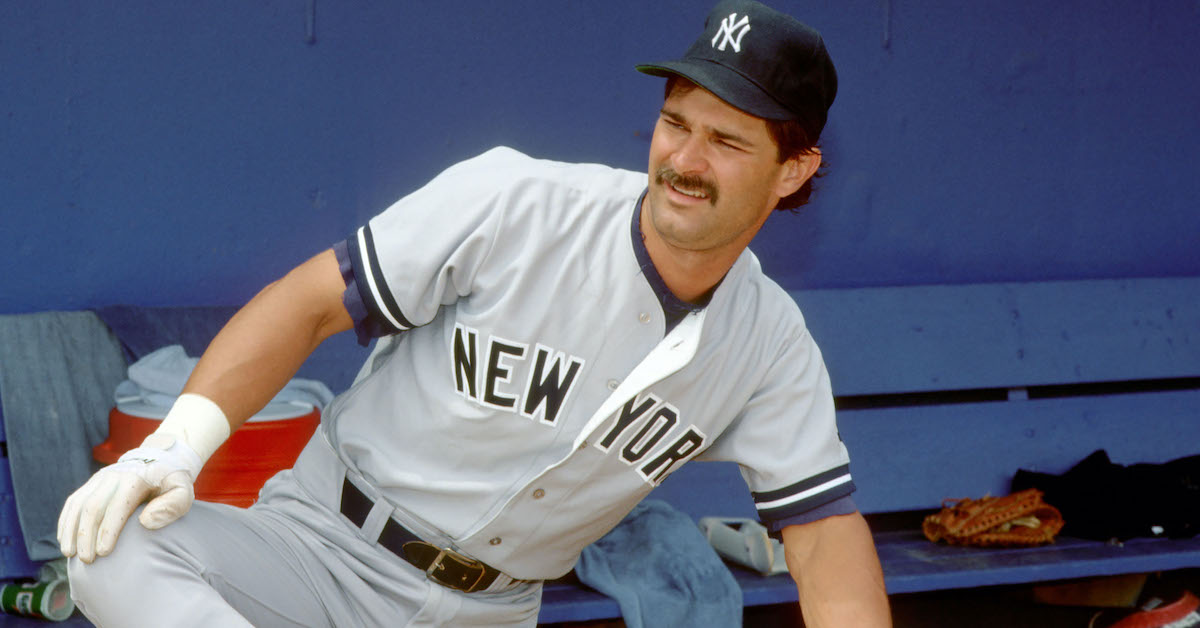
[(763, 62)]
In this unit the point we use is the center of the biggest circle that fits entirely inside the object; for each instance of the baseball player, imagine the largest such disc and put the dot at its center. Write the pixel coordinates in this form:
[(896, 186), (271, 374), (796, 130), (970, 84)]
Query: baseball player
[(554, 340)]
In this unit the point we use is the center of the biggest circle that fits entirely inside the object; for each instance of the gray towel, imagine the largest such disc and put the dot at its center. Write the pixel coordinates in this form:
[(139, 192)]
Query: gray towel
[(662, 572), (158, 379), (58, 371)]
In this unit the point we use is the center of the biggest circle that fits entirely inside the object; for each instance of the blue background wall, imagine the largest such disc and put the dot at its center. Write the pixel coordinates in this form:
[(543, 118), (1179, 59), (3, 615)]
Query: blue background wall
[(187, 153)]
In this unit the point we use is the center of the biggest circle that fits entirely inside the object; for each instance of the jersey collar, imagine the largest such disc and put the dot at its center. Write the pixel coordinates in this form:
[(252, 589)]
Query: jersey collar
[(674, 308)]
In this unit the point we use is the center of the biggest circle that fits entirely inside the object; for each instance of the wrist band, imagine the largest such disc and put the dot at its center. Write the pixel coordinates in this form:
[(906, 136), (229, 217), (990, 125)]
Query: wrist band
[(198, 422)]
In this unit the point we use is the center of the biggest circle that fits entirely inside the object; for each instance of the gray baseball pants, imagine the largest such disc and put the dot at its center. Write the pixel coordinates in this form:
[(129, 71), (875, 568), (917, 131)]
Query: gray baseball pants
[(290, 560)]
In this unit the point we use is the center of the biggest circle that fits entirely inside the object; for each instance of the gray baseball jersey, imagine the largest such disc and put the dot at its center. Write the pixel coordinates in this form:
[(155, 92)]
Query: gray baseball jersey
[(527, 392)]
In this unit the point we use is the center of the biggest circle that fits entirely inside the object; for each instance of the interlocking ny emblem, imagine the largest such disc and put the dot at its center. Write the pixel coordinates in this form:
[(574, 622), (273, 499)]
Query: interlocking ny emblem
[(731, 32)]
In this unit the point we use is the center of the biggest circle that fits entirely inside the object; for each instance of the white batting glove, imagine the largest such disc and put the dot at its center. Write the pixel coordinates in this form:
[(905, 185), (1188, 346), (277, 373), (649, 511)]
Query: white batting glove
[(162, 470)]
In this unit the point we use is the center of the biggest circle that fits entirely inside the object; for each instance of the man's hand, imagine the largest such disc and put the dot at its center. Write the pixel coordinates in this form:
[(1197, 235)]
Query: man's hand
[(162, 470)]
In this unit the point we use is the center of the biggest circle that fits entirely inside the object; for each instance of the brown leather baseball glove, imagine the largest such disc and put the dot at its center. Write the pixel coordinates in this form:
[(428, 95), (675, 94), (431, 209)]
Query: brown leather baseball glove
[(1016, 520)]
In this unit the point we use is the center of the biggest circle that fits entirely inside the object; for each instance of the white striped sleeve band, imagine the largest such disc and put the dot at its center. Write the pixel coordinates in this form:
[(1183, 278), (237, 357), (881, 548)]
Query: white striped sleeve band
[(372, 286), (804, 495)]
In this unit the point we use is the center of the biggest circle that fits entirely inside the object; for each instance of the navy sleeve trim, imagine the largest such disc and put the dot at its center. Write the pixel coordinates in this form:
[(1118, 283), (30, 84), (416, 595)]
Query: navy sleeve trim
[(372, 285), (364, 328), (840, 506), (804, 495)]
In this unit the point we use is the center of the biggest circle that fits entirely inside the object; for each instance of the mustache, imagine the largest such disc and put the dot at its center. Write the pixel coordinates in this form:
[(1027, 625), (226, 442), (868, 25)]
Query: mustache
[(665, 175)]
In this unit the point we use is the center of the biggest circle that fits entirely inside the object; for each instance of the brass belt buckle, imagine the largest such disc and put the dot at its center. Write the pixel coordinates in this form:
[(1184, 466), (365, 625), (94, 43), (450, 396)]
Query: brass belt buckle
[(435, 568)]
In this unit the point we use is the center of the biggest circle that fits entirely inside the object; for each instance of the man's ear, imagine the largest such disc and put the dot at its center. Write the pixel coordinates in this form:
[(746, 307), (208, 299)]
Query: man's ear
[(796, 171)]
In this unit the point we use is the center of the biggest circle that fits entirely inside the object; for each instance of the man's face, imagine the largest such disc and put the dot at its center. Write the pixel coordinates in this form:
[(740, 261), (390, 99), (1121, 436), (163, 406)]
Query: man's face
[(714, 173)]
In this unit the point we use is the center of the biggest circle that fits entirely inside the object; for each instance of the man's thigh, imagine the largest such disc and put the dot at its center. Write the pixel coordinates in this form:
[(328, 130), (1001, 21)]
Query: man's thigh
[(285, 562), (211, 565)]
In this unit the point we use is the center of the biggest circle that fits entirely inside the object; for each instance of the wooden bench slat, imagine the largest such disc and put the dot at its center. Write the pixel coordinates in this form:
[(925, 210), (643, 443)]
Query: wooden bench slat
[(913, 564), (914, 457), (934, 338)]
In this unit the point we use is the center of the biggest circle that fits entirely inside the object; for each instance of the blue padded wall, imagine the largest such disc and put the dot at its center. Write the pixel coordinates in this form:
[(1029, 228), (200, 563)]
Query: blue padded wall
[(187, 153)]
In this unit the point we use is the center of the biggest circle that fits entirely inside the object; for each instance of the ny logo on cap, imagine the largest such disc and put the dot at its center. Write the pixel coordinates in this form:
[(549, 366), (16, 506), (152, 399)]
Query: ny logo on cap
[(731, 32)]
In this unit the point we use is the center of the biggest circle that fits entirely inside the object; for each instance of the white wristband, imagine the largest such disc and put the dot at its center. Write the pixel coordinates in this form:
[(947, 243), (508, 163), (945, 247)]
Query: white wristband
[(198, 422)]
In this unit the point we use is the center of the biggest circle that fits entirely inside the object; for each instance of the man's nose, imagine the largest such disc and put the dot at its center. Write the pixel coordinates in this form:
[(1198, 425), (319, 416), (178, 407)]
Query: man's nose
[(689, 157)]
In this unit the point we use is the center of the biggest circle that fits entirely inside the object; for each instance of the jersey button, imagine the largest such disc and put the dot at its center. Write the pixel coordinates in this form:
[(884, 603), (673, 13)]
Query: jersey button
[(644, 317), (612, 384), (539, 493), (495, 541)]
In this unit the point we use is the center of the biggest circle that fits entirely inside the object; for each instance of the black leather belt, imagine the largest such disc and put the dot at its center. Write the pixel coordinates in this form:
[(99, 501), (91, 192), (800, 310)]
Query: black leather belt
[(441, 565)]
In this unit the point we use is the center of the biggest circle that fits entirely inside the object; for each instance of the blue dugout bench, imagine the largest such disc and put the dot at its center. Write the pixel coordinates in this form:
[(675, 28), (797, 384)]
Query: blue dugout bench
[(945, 392)]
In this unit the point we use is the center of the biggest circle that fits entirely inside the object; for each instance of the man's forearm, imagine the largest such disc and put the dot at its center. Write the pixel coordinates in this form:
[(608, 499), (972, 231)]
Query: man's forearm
[(837, 573), (264, 344)]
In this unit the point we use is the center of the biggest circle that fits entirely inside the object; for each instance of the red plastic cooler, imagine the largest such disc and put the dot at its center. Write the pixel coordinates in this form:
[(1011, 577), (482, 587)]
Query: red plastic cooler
[(266, 444)]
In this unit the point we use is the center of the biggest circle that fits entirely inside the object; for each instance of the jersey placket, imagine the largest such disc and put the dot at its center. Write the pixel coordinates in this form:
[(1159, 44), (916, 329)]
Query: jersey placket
[(513, 529)]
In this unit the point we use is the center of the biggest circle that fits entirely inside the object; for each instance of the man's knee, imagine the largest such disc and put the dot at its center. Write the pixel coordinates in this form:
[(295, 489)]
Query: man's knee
[(109, 578), (116, 582), (152, 577)]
